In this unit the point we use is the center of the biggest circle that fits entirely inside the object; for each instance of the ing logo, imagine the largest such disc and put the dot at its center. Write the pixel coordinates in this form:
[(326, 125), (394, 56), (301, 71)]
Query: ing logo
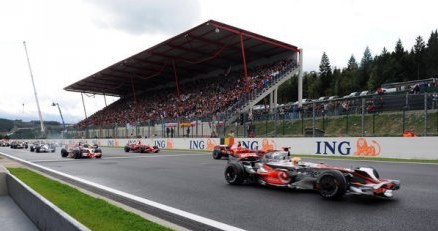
[(268, 145), (365, 149), (170, 144), (210, 144)]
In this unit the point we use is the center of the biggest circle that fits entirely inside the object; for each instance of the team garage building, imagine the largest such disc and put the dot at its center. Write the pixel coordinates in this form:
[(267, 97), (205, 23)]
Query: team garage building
[(217, 71)]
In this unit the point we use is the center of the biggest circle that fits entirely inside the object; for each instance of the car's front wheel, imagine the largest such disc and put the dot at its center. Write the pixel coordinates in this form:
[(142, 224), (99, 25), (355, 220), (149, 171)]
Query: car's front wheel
[(127, 149), (217, 154), (331, 184), (64, 152)]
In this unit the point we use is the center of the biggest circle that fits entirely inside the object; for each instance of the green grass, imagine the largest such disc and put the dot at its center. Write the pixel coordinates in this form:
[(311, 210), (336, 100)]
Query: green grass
[(96, 214), (369, 158)]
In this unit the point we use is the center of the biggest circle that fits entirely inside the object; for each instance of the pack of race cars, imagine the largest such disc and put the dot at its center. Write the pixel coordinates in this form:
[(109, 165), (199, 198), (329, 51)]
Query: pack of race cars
[(264, 167), (77, 150)]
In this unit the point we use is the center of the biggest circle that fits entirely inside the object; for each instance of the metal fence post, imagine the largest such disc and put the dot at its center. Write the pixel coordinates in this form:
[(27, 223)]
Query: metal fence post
[(425, 114), (313, 119), (363, 117)]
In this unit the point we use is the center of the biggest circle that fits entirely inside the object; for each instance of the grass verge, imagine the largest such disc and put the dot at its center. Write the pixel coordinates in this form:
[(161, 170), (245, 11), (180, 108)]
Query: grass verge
[(369, 158), (96, 214)]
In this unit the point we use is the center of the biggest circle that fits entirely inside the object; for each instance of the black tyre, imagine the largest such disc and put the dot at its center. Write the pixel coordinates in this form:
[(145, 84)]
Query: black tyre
[(77, 154), (31, 149), (141, 149), (127, 149), (331, 184), (37, 150), (64, 152), (234, 174), (217, 154)]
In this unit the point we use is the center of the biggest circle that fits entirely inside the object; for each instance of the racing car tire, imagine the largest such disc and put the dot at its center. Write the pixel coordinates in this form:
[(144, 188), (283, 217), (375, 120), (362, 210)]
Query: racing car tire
[(77, 154), (217, 155), (141, 149), (127, 149), (37, 150), (64, 152), (331, 184), (234, 174), (32, 149)]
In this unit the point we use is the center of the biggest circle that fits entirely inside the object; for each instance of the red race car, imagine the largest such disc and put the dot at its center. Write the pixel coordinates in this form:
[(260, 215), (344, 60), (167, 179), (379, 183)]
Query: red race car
[(220, 151), (138, 147), (80, 150)]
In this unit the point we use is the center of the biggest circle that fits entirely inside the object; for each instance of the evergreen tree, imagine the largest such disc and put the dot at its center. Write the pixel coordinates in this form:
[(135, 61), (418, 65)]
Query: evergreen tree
[(325, 74), (352, 64), (399, 50), (367, 59), (365, 68), (431, 59)]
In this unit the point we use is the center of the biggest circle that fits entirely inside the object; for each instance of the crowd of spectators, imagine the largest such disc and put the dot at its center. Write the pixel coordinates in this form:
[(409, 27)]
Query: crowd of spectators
[(207, 97)]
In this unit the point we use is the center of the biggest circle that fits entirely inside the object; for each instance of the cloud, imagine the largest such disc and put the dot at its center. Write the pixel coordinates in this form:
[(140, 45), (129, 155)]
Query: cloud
[(146, 16)]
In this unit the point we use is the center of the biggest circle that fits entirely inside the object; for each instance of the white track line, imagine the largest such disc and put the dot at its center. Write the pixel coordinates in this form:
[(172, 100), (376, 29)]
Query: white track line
[(118, 157), (166, 208)]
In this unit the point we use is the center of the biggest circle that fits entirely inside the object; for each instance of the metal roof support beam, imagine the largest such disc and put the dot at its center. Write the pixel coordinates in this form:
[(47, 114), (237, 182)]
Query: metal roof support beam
[(133, 90), (282, 45), (176, 78), (245, 70), (83, 104)]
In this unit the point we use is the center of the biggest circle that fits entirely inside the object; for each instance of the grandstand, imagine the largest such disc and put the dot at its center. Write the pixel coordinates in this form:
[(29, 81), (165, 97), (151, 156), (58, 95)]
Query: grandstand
[(212, 72)]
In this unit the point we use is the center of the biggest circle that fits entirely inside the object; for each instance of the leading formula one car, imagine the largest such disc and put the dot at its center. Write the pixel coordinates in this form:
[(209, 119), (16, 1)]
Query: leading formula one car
[(138, 147), (277, 169), (79, 151)]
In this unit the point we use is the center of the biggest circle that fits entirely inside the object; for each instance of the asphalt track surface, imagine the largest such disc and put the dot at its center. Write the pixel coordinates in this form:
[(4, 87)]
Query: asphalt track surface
[(194, 182)]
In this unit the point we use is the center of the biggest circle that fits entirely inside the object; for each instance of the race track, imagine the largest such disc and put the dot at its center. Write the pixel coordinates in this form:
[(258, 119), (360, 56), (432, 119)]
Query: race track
[(194, 182)]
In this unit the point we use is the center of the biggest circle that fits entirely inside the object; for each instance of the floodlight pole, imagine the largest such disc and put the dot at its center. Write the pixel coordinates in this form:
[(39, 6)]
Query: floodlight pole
[(300, 78), (60, 113), (34, 89)]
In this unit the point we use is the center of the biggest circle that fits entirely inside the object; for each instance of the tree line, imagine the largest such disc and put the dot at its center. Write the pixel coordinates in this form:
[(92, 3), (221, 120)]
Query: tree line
[(420, 62)]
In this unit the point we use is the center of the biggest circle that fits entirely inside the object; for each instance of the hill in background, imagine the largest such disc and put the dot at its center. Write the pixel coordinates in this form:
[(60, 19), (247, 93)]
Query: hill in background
[(18, 129)]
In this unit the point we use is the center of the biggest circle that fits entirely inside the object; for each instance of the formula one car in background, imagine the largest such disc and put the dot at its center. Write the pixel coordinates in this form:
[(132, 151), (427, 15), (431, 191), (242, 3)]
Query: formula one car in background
[(138, 147), (4, 143), (223, 150), (80, 150), (18, 145), (277, 169), (42, 147)]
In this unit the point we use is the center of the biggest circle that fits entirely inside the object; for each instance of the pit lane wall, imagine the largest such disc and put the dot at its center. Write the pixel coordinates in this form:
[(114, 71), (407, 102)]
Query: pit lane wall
[(385, 147)]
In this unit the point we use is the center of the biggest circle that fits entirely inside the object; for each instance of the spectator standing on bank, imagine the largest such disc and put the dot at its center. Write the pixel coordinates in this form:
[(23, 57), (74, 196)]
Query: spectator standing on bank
[(167, 132)]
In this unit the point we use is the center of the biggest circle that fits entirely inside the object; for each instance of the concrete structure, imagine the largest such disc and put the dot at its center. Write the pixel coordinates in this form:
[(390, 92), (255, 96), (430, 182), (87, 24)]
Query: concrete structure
[(21, 208)]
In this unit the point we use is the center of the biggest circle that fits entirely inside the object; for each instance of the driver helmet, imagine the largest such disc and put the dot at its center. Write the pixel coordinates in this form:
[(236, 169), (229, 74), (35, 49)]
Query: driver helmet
[(295, 160)]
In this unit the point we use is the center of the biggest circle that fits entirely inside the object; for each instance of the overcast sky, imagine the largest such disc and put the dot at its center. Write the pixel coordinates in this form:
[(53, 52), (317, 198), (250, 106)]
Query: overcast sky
[(69, 40)]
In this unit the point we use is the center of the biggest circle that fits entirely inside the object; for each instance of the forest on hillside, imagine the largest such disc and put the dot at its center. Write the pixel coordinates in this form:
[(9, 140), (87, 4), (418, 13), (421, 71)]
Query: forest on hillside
[(418, 62)]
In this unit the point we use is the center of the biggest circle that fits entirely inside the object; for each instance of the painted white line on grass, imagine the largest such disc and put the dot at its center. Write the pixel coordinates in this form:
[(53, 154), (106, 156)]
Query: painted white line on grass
[(166, 208)]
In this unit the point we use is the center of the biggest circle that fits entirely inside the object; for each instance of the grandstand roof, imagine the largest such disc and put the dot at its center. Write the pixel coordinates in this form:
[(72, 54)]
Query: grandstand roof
[(210, 46)]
